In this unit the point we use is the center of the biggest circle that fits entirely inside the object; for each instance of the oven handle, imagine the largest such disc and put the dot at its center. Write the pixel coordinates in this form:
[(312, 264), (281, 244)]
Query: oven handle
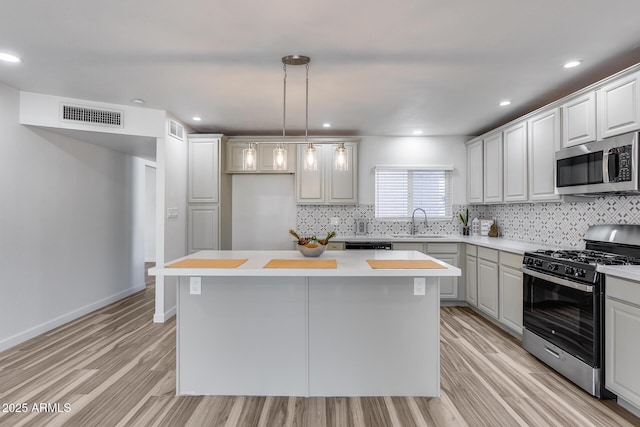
[(558, 280)]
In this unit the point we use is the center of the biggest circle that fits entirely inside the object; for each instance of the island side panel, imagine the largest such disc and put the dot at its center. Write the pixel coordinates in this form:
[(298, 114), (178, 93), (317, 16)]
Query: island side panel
[(242, 336), (370, 336)]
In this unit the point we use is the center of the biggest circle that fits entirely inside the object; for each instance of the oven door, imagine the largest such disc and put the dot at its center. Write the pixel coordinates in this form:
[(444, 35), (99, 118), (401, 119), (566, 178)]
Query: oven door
[(564, 312)]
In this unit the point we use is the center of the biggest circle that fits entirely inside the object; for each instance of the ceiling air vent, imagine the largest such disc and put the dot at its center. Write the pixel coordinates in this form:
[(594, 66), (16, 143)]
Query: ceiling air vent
[(94, 116), (176, 130)]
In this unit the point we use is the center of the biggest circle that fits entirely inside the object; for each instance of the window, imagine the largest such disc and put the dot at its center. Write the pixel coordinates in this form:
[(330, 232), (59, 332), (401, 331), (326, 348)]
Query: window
[(400, 190)]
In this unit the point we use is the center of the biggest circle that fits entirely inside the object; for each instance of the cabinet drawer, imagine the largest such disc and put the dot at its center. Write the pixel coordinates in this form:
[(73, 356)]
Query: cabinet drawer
[(488, 254), (442, 248), (472, 250), (624, 290), (511, 259)]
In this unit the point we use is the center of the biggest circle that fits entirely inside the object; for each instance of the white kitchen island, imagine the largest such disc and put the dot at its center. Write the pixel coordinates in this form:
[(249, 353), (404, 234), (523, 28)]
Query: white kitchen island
[(346, 331)]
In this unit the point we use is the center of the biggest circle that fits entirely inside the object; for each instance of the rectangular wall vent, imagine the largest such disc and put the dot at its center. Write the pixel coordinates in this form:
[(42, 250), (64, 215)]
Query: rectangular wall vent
[(176, 130), (89, 115)]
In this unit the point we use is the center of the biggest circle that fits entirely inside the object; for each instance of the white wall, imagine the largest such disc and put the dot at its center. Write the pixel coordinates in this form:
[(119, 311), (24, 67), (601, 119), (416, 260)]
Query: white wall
[(150, 213), (424, 150), (71, 226)]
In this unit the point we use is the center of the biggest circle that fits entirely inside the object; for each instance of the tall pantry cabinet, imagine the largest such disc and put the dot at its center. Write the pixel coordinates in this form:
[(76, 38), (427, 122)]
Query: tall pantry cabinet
[(208, 195)]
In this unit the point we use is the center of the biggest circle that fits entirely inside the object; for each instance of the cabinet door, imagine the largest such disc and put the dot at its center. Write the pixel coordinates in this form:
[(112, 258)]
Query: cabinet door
[(619, 106), (511, 297), (579, 120), (493, 168), (449, 284), (343, 185), (203, 226), (622, 350), (265, 158), (234, 157), (515, 163), (474, 172), (204, 170), (310, 185), (471, 274), (488, 287), (544, 141)]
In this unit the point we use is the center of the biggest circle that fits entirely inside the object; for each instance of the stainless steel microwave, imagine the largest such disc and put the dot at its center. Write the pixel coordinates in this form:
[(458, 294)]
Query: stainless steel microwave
[(607, 166)]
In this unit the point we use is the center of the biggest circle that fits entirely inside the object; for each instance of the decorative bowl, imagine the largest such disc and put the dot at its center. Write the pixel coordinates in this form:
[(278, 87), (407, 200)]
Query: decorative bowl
[(311, 249)]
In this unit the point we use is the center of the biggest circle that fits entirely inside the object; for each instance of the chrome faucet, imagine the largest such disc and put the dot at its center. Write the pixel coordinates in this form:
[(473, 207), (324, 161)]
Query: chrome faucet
[(413, 219)]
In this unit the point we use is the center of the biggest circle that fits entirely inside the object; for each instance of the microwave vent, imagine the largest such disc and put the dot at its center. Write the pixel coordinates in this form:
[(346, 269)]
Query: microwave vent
[(90, 115)]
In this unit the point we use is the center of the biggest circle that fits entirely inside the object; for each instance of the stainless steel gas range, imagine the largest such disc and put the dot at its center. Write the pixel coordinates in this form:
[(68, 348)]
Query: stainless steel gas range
[(563, 311)]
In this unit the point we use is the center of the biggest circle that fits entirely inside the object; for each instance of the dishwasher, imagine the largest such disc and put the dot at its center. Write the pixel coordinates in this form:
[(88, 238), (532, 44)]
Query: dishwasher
[(367, 245)]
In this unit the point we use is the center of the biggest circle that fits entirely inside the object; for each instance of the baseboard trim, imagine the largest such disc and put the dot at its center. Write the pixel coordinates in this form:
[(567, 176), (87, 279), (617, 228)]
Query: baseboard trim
[(629, 406), (32, 332), (163, 317)]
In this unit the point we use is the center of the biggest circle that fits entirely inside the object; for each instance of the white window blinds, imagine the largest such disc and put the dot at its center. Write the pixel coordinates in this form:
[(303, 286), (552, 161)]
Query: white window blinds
[(400, 190)]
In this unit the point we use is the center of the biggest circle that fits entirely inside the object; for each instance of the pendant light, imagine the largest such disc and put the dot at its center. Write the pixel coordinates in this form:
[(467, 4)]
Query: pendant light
[(310, 163), (249, 159), (280, 152), (341, 158)]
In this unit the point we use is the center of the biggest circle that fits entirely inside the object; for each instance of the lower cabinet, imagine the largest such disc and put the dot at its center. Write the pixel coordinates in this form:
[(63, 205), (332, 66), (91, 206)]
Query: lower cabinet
[(446, 252), (511, 291), (488, 285), (622, 348), (471, 275), (203, 224)]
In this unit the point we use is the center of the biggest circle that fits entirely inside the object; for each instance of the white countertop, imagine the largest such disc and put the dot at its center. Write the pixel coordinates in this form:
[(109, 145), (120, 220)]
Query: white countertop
[(498, 243), (350, 264), (631, 272)]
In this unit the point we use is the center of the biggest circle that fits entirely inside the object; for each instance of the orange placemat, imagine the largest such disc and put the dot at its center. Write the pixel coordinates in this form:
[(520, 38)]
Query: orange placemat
[(208, 263), (403, 263), (301, 263)]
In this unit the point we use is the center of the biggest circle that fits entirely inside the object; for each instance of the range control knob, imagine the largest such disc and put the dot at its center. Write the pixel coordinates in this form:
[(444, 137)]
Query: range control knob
[(579, 272), (552, 267), (568, 270), (538, 263)]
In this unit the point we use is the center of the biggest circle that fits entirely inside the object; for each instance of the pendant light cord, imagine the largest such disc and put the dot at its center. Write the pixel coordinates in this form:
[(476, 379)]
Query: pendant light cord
[(284, 103), (306, 122)]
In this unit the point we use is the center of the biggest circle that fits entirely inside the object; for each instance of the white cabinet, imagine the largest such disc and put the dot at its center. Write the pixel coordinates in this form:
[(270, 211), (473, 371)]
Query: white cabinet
[(543, 142), (493, 168), (619, 106), (622, 348), (204, 169), (511, 291), (204, 225), (264, 154), (325, 185), (471, 275), (446, 252), (515, 163), (207, 193), (475, 176), (488, 281), (579, 120)]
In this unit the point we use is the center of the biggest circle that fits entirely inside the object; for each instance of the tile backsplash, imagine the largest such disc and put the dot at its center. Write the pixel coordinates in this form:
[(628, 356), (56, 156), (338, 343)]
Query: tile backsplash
[(553, 224)]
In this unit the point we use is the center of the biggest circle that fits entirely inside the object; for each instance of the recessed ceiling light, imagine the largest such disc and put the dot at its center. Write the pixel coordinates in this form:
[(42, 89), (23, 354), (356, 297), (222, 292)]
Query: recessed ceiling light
[(196, 118), (326, 125), (505, 103), (417, 132), (7, 57), (572, 64), (138, 101)]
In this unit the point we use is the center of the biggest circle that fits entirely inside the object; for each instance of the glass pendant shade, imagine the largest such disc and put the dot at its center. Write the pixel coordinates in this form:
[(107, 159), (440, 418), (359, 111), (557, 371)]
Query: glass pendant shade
[(249, 159), (310, 163), (280, 158), (341, 159)]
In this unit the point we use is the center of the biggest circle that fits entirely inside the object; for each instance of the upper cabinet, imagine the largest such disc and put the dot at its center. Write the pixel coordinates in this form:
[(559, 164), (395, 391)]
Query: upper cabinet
[(475, 172), (264, 152), (204, 169), (515, 163), (493, 168), (579, 120), (619, 106), (325, 185), (543, 142)]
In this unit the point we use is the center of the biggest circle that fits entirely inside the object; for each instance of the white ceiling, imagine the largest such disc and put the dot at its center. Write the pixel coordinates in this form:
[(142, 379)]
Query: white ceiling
[(377, 68)]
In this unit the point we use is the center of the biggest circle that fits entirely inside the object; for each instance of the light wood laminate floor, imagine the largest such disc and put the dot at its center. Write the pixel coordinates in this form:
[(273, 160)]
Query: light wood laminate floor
[(115, 367)]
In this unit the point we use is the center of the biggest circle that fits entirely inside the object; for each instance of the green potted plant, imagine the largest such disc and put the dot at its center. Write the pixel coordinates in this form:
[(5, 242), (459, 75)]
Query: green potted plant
[(464, 219)]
